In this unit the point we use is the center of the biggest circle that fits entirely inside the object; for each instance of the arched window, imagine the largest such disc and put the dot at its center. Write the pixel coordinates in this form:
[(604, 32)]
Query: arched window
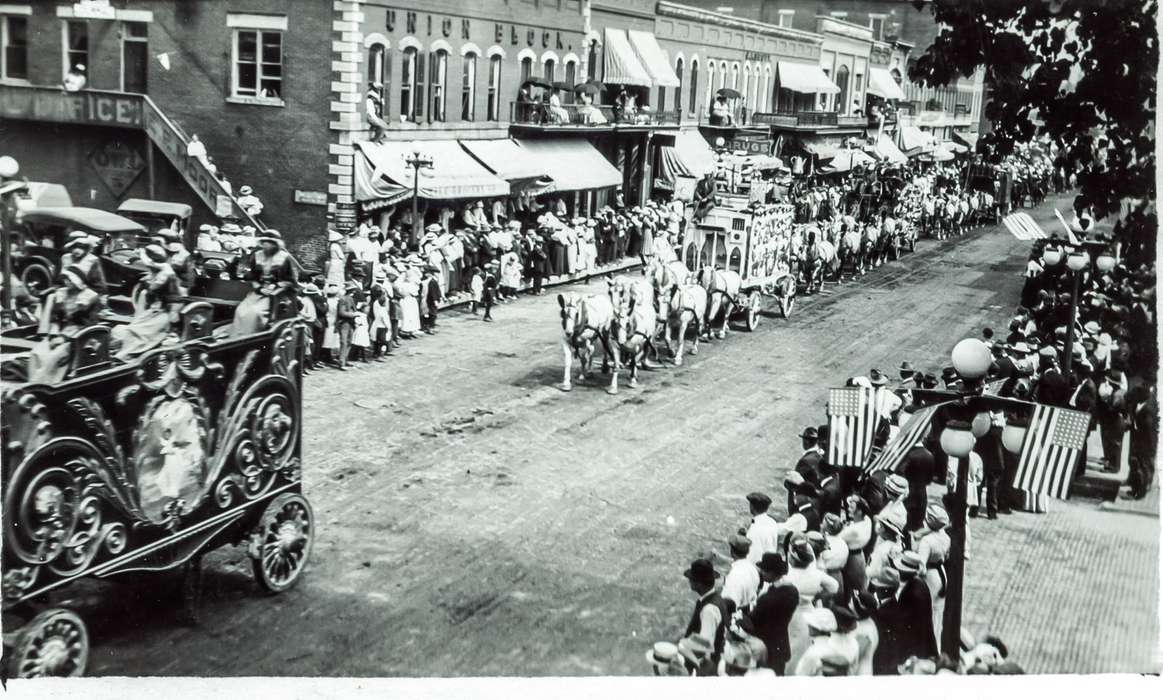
[(592, 61), (694, 85), (744, 90), (526, 69), (722, 74), (379, 70), (437, 77), (678, 88), (842, 83), (409, 84), (494, 88), (735, 76), (571, 78), (550, 70), (764, 89), (468, 90), (660, 104), (753, 101)]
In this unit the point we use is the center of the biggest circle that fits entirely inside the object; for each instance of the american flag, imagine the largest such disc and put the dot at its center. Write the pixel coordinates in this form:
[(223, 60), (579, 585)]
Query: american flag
[(1023, 226), (1053, 444), (852, 418), (913, 431)]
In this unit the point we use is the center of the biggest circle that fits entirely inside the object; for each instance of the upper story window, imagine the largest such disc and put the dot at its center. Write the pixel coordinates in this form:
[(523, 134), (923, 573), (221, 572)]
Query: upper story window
[(694, 96), (468, 92), (786, 18), (14, 39), (257, 57), (550, 70), (494, 88), (438, 74), (76, 45), (678, 88), (526, 69), (876, 23), (409, 84)]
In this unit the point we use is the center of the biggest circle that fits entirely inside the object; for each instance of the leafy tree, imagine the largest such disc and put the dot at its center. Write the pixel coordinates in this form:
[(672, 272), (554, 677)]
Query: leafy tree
[(1081, 72)]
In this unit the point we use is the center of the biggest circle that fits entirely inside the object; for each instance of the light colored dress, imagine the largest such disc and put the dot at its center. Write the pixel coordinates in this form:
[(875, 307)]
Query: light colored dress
[(408, 288), (336, 261), (331, 334)]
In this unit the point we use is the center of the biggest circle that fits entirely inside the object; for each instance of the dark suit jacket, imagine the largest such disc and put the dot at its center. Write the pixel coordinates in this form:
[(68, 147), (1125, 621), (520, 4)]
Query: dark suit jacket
[(345, 312), (769, 618), (891, 626), (1053, 389), (918, 637), (809, 467)]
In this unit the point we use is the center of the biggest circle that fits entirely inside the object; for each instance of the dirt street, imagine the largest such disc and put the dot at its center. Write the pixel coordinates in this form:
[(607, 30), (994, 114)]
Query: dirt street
[(474, 520)]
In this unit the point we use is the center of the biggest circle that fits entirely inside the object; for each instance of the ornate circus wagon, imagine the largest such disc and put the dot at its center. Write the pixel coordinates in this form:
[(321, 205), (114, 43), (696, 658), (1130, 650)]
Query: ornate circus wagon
[(145, 467)]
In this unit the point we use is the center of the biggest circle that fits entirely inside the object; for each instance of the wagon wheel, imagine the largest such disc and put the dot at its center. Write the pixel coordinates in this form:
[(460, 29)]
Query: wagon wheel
[(54, 643), (283, 542), (787, 302), (754, 300)]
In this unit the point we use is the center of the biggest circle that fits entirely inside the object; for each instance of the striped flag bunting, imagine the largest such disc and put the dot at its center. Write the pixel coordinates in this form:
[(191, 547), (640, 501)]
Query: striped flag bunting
[(852, 419), (1023, 226), (913, 431), (1053, 444)]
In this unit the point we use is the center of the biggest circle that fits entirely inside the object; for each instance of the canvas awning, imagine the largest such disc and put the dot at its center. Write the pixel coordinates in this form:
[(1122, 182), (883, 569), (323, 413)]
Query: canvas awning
[(969, 139), (653, 59), (913, 141), (512, 163), (382, 175), (805, 78), (847, 159), (885, 149), (573, 164), (819, 148), (620, 65), (881, 82)]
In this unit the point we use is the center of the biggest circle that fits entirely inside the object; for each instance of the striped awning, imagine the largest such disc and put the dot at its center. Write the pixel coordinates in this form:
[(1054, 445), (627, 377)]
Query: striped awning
[(573, 164), (382, 173), (620, 65), (653, 59)]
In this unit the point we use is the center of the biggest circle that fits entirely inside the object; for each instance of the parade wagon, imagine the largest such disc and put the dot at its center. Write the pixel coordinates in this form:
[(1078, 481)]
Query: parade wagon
[(753, 243), (143, 467)]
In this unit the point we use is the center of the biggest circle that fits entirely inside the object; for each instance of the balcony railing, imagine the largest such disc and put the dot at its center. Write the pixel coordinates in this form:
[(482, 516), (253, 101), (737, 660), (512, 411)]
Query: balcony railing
[(803, 118), (582, 116)]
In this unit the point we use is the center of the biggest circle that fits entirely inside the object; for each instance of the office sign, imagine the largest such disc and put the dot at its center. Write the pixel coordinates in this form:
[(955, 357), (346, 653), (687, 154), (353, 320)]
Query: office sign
[(53, 105)]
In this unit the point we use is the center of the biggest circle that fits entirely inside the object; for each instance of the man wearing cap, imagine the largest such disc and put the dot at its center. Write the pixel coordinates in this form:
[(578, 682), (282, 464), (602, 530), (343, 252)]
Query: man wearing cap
[(932, 546), (79, 254), (809, 462), (769, 617), (764, 531), (918, 469), (711, 612), (741, 584), (891, 623)]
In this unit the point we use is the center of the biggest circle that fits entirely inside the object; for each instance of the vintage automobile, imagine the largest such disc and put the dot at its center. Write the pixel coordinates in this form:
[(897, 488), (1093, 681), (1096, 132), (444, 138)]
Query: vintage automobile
[(752, 242), (42, 194), (37, 245), (143, 467), (154, 215)]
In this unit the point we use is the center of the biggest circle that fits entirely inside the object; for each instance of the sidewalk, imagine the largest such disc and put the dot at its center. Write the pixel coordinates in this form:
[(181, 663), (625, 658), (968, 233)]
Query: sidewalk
[(625, 265), (1074, 590)]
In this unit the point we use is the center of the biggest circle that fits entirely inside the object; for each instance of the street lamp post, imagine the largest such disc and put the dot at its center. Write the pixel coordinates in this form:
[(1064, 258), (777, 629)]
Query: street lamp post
[(970, 421), (417, 161), (1078, 259)]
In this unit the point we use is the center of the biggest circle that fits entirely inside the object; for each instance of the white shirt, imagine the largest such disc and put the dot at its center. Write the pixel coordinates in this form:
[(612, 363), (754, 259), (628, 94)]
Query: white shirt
[(741, 584), (836, 555), (867, 639), (841, 643), (887, 401), (764, 534), (810, 582)]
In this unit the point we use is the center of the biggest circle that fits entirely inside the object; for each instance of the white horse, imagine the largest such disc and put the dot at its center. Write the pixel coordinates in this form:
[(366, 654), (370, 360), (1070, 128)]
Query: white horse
[(722, 287), (634, 327), (687, 304), (584, 321)]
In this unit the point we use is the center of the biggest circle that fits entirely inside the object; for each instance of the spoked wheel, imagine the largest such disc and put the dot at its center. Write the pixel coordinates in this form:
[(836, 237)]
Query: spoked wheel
[(54, 643), (754, 300), (283, 542), (787, 303), (37, 278)]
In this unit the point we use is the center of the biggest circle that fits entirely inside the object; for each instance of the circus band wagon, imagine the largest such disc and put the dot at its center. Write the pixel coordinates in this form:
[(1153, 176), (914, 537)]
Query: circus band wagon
[(135, 444)]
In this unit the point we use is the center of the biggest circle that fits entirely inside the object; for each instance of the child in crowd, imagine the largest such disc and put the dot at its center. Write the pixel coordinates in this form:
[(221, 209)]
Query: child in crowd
[(490, 289), (477, 286), (361, 337)]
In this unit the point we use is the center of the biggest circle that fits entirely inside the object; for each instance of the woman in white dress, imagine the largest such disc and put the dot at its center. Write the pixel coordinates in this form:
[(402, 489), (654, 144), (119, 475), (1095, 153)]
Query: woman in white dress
[(408, 287), (336, 259), (331, 332), (812, 583)]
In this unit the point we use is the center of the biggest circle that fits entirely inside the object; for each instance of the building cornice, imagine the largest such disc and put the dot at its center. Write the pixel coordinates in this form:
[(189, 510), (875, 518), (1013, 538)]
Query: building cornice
[(696, 14), (831, 25)]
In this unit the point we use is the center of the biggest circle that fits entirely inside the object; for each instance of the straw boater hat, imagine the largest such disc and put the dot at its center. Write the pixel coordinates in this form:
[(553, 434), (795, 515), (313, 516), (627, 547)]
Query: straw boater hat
[(334, 236), (660, 656), (309, 289), (154, 253), (231, 228), (896, 486), (935, 517), (78, 238), (245, 190), (272, 236)]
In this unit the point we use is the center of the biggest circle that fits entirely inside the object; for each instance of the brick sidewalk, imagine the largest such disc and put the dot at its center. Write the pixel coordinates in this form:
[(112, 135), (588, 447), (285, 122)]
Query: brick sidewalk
[(1074, 590)]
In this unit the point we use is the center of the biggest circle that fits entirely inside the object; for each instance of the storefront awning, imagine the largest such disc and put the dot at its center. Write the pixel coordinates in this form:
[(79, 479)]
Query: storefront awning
[(969, 139), (620, 65), (381, 173), (885, 149), (573, 164), (913, 141), (821, 149), (880, 82), (653, 59), (804, 77), (508, 161)]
